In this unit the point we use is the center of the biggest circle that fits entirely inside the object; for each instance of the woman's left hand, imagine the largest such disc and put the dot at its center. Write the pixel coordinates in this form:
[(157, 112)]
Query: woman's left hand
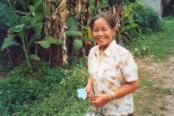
[(101, 99)]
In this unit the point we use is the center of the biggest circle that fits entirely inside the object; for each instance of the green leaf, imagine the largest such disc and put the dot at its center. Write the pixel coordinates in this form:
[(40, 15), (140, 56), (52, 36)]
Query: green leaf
[(7, 17), (25, 19), (77, 44), (72, 23), (34, 57), (31, 9), (103, 3), (17, 28), (48, 41), (73, 33), (91, 6), (44, 44), (129, 26), (37, 28), (8, 41), (38, 6), (37, 19)]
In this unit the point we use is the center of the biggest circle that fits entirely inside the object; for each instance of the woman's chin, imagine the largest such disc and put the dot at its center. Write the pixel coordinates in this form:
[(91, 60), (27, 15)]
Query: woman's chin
[(101, 43)]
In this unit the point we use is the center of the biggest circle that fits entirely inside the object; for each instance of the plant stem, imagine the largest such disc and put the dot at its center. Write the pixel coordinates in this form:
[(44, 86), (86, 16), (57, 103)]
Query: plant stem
[(20, 12), (25, 51)]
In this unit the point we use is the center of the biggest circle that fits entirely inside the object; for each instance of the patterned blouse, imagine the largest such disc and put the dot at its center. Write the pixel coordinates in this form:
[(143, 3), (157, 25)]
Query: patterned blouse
[(110, 72)]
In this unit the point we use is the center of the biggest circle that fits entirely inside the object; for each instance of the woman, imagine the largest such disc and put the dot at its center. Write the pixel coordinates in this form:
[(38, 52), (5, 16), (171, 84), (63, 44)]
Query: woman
[(112, 71)]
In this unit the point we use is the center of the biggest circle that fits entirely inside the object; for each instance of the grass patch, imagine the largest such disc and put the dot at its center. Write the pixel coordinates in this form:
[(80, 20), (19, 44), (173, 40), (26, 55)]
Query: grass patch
[(145, 97), (157, 45)]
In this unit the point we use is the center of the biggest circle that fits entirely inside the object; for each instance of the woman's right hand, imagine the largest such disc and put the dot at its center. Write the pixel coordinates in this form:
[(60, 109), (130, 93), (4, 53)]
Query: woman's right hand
[(89, 91)]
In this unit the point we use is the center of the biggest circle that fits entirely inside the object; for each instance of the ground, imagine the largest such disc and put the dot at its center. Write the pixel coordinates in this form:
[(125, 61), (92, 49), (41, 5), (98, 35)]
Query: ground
[(161, 74)]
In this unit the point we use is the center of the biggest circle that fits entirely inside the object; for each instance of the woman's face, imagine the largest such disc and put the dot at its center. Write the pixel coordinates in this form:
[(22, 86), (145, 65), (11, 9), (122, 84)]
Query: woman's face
[(102, 32)]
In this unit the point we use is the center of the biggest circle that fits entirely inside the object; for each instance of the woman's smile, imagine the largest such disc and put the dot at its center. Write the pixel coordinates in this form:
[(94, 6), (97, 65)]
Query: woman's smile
[(102, 33)]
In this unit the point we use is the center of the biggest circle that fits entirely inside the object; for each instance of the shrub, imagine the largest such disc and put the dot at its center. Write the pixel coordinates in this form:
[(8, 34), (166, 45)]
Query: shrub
[(19, 87), (63, 99), (139, 19), (147, 18)]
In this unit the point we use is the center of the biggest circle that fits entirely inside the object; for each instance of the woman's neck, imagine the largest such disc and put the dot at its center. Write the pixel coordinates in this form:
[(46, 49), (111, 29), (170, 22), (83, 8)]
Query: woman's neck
[(102, 49)]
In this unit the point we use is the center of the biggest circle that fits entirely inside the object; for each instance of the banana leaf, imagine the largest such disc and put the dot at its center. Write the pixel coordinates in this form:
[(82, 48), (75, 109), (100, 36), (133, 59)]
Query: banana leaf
[(7, 17), (9, 41)]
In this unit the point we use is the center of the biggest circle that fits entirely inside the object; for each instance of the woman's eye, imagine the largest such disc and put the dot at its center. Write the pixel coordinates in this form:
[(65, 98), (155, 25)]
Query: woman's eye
[(95, 30), (104, 29)]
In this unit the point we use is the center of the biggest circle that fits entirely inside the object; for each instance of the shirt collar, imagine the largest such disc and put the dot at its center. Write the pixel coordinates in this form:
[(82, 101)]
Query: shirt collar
[(108, 50)]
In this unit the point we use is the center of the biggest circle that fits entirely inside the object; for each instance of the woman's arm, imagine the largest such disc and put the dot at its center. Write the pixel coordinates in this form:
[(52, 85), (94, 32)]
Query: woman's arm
[(89, 86), (102, 99), (129, 87)]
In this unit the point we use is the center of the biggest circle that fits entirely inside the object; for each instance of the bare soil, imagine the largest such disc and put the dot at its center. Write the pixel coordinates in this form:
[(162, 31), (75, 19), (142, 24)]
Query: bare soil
[(163, 73)]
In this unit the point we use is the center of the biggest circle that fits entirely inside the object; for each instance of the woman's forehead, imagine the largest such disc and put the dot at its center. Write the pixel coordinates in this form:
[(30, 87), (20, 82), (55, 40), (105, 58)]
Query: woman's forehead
[(100, 22)]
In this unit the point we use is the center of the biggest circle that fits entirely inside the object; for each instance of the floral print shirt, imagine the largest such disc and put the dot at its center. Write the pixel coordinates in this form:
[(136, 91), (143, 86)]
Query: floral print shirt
[(109, 72)]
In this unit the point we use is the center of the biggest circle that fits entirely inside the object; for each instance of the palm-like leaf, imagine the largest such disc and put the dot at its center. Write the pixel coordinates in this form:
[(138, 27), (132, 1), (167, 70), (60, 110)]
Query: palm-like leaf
[(49, 41), (8, 41), (7, 17), (72, 23)]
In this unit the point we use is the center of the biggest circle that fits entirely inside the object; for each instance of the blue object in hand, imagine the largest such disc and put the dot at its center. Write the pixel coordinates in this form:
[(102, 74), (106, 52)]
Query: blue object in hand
[(82, 93)]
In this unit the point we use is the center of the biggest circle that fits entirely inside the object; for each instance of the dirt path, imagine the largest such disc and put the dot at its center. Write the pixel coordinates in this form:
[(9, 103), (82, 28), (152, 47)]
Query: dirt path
[(163, 73)]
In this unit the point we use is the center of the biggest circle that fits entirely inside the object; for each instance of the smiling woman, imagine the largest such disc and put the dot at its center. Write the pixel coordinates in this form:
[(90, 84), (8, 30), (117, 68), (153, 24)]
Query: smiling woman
[(112, 71), (103, 31)]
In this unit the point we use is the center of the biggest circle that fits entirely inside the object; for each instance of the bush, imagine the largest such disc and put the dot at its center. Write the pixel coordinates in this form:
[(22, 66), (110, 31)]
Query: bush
[(47, 91), (19, 87), (139, 19), (147, 18), (17, 90), (63, 99)]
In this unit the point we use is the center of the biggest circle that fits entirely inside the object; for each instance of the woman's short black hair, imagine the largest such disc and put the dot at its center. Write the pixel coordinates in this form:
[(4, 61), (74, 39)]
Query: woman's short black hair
[(110, 19)]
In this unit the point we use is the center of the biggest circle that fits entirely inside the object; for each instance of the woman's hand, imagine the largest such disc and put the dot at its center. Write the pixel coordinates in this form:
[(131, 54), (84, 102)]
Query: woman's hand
[(89, 90), (101, 99)]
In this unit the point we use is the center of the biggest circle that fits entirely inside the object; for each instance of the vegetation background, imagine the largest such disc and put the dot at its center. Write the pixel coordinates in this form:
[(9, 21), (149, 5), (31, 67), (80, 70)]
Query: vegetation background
[(45, 44)]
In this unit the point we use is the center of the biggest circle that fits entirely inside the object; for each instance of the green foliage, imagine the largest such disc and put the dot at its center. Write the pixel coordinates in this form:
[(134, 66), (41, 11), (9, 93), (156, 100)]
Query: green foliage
[(139, 19), (72, 23), (19, 88), (17, 28), (64, 98), (34, 57), (45, 43), (146, 18), (128, 16), (152, 45), (30, 22), (102, 4), (142, 51), (77, 44), (9, 41), (7, 17), (37, 7), (73, 33), (91, 6)]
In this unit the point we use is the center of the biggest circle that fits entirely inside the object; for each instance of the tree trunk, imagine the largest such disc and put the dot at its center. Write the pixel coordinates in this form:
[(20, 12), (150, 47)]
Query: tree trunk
[(54, 27)]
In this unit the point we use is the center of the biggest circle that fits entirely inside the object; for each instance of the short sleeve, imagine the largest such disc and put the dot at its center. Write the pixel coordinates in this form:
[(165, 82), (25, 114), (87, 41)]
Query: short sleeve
[(129, 70), (90, 61)]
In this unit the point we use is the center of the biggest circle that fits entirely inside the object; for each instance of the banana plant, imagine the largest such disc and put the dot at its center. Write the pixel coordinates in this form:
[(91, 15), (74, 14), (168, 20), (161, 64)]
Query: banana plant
[(73, 31), (21, 26)]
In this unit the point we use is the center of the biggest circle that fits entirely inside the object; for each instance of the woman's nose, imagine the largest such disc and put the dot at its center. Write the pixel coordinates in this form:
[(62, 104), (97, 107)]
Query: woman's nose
[(100, 33)]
